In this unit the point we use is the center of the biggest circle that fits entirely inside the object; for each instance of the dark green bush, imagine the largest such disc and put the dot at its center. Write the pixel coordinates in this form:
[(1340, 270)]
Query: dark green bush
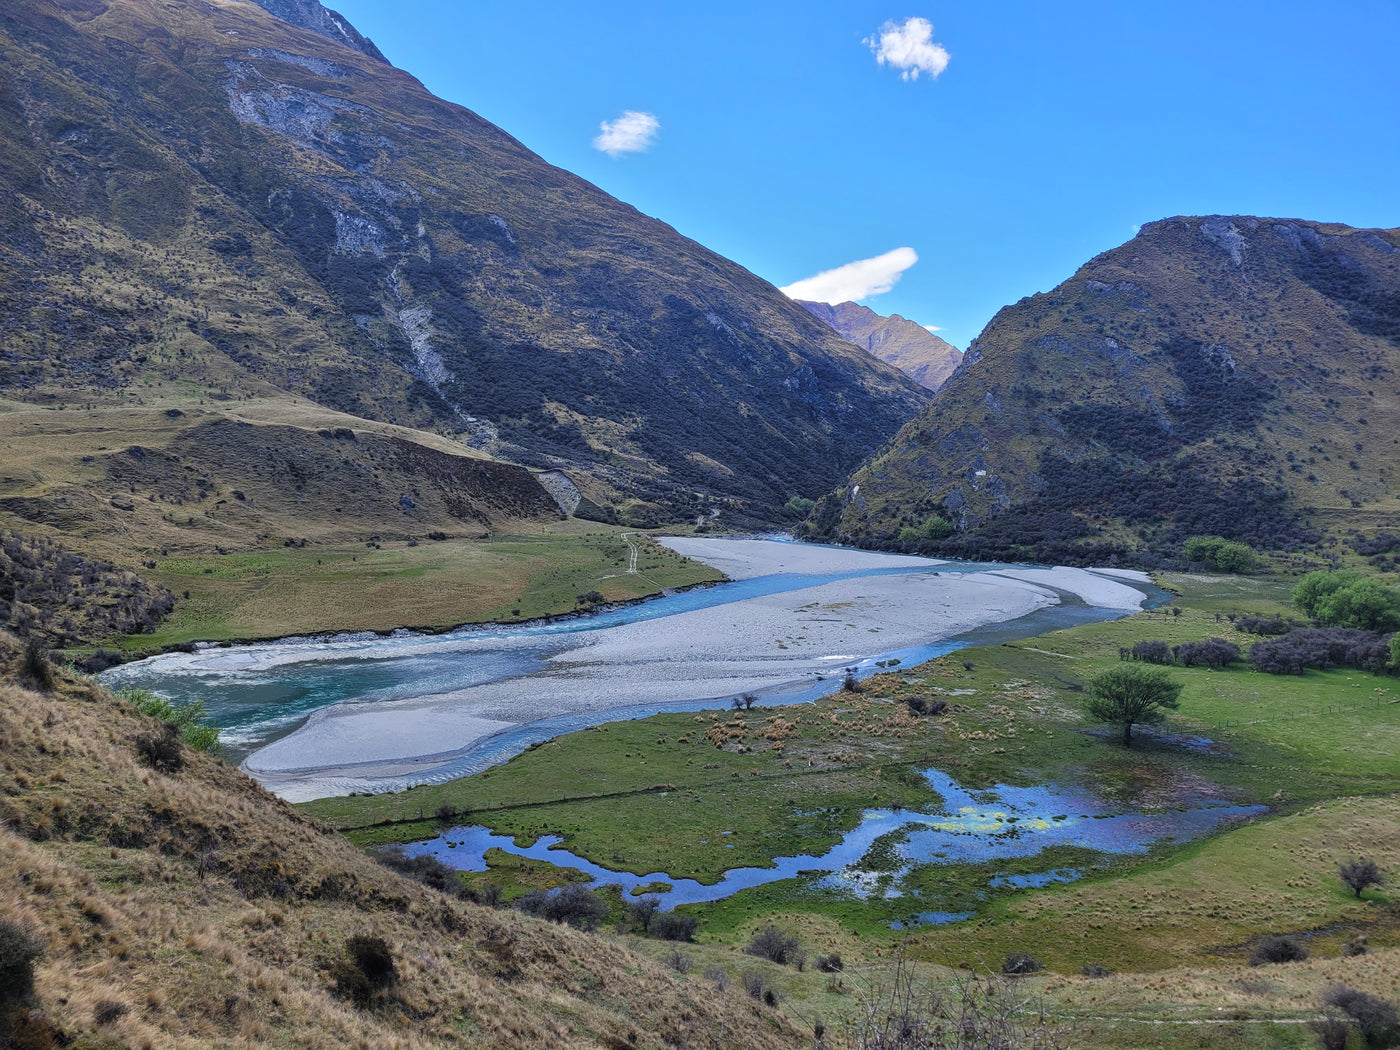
[(1277, 949), (18, 950)]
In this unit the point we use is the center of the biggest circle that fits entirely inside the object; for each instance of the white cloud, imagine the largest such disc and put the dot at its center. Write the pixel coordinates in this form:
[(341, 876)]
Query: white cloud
[(632, 132), (908, 46), (933, 327), (856, 280)]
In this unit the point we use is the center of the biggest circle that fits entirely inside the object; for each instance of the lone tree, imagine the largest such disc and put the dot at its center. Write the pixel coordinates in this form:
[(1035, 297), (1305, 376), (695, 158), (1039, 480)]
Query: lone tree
[(1361, 873), (1132, 694)]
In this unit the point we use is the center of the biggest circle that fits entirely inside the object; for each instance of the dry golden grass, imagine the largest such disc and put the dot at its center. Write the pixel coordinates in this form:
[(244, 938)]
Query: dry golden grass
[(212, 912)]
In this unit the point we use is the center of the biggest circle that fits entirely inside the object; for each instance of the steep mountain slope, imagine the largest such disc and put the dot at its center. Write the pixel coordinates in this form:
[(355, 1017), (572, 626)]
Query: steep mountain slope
[(203, 203), (1224, 375), (187, 907), (910, 347)]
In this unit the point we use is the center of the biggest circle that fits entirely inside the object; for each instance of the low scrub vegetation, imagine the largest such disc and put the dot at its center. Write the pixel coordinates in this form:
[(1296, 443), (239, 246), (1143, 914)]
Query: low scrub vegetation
[(188, 719), (1346, 598), (1322, 648), (53, 594), (1220, 554)]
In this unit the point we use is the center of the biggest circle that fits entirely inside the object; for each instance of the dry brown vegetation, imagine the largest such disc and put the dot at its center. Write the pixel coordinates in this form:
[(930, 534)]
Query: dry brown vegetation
[(216, 915)]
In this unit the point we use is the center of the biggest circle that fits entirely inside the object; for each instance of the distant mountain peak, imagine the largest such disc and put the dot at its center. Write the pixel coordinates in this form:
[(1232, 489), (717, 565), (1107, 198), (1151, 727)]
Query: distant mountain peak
[(909, 346), (309, 14)]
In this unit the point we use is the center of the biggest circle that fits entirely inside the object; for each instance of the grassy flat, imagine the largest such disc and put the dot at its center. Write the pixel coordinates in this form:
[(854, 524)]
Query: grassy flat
[(280, 591)]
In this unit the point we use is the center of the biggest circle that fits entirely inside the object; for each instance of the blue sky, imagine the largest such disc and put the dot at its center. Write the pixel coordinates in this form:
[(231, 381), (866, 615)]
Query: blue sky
[(779, 140)]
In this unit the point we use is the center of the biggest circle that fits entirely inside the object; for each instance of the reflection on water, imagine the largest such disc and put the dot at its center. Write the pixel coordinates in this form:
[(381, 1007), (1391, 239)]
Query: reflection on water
[(1002, 823)]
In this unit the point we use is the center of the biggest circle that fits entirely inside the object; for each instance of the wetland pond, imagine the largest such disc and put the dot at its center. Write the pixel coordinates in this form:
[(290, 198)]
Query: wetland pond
[(875, 858)]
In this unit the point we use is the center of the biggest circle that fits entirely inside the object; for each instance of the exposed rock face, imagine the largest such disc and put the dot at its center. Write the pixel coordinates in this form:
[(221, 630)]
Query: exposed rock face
[(308, 14), (1223, 375), (910, 347)]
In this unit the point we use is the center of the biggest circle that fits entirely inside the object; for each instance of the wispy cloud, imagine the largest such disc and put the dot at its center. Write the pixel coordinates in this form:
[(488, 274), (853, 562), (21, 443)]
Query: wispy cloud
[(632, 132), (933, 327), (856, 280), (908, 46)]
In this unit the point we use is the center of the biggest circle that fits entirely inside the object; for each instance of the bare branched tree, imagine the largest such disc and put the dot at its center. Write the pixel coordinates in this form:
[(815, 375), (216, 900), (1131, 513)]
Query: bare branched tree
[(899, 1011)]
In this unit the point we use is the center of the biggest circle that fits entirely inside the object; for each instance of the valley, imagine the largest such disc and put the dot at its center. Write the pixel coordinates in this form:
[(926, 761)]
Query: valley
[(448, 600)]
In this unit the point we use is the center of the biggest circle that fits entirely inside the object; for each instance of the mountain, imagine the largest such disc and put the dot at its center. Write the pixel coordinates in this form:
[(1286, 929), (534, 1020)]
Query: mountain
[(219, 225), (910, 347), (1223, 375), (177, 903)]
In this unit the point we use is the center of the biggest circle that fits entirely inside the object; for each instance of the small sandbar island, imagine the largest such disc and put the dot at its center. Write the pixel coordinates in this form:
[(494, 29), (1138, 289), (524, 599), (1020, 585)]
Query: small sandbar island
[(426, 709)]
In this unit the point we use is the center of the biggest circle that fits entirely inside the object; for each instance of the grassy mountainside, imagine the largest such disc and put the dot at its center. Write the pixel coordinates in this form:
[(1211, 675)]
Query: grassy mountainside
[(896, 340), (202, 204), (190, 908), (1222, 375)]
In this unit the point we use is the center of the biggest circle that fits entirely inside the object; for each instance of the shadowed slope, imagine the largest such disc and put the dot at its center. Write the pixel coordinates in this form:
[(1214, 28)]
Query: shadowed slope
[(1222, 375)]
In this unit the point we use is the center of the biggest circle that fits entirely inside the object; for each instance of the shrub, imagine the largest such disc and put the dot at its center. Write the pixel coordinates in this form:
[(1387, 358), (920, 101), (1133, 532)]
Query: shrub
[(1095, 970), (1321, 648), (754, 984), (188, 719), (487, 894), (161, 749), (1214, 653), (1345, 598), (1152, 652), (1220, 554), (36, 666), (849, 683), (1373, 1017), (830, 963), (1277, 949), (773, 944), (108, 1011), (373, 957), (668, 926), (426, 869), (1315, 586), (1018, 964), (799, 506), (1360, 873), (642, 911), (368, 970), (18, 950), (679, 961), (1367, 605), (575, 905), (1269, 626)]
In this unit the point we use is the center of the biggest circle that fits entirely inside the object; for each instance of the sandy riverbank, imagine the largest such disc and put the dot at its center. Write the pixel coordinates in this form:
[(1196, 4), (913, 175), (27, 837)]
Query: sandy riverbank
[(754, 645)]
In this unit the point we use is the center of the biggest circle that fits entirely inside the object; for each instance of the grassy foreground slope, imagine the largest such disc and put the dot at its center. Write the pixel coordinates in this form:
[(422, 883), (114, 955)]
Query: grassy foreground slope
[(190, 908)]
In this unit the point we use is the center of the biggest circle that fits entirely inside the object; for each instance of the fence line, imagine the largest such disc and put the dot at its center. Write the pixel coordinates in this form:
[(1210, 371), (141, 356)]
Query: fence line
[(1332, 709)]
